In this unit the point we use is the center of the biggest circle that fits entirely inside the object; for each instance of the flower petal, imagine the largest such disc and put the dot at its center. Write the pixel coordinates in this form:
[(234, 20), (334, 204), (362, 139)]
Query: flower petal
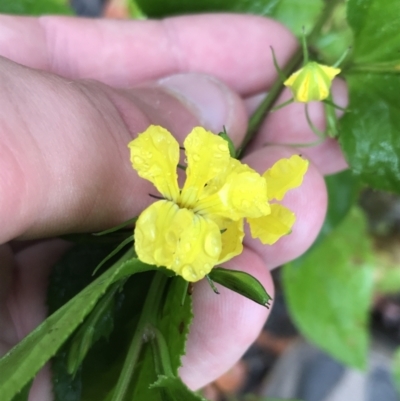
[(232, 241), (158, 230), (166, 235), (312, 82), (155, 155), (207, 156), (243, 194), (198, 250), (272, 227), (284, 175)]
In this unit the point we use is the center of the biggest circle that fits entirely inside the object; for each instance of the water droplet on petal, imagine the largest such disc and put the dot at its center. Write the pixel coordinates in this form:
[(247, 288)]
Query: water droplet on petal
[(188, 273), (161, 256), (211, 246), (196, 157)]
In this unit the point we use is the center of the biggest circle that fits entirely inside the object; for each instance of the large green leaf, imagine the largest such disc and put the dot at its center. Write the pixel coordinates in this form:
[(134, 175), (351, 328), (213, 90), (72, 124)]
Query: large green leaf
[(35, 7), (22, 363), (375, 24), (370, 131), (329, 292)]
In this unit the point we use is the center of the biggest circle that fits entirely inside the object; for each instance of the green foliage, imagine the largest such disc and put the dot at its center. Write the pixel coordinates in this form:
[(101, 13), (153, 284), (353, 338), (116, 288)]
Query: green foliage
[(242, 283), (162, 8), (22, 363), (370, 130), (35, 7), (298, 15), (396, 369), (329, 291)]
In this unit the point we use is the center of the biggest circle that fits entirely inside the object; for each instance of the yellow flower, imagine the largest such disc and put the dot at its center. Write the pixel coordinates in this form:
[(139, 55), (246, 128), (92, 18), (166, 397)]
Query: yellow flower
[(312, 82), (193, 229)]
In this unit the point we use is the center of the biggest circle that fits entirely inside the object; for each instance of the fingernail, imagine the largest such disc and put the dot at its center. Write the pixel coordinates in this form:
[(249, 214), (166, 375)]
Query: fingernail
[(209, 99)]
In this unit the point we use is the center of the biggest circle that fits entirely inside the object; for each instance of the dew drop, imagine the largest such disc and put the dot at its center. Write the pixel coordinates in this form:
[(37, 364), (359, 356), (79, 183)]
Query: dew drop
[(196, 157), (161, 256), (211, 246), (188, 273)]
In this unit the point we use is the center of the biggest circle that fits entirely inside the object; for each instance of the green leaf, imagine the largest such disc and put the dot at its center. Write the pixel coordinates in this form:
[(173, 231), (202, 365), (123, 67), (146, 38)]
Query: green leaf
[(376, 28), (162, 8), (370, 131), (23, 395), (396, 369), (329, 291), (242, 283), (175, 320), (343, 189), (35, 7), (21, 364), (173, 389), (297, 14)]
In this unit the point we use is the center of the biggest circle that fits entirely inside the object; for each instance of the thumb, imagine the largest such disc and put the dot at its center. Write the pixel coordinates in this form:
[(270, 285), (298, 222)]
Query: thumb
[(64, 161)]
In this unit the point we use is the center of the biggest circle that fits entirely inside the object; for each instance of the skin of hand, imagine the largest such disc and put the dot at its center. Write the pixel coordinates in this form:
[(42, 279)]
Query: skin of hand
[(75, 92)]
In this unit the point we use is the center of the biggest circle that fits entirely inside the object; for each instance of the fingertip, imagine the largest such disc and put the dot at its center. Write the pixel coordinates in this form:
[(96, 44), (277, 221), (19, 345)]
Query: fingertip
[(224, 326), (308, 202)]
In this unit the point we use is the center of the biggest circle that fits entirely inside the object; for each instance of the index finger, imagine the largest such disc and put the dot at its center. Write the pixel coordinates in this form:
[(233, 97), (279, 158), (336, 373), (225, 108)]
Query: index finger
[(233, 48)]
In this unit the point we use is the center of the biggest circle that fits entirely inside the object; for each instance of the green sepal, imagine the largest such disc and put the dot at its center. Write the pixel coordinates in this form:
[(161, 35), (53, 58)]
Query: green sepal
[(232, 150), (242, 283)]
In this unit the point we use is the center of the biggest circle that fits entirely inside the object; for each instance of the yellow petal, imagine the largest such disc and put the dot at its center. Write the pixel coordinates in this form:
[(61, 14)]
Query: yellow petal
[(232, 239), (155, 155), (272, 227), (285, 174), (243, 194), (207, 156), (198, 249), (312, 82), (158, 230)]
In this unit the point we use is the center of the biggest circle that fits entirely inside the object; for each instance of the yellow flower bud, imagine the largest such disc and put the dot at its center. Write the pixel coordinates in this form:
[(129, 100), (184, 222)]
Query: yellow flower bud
[(312, 82)]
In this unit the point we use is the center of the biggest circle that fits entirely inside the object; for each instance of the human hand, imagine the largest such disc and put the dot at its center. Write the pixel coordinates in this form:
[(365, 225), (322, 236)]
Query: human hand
[(64, 162)]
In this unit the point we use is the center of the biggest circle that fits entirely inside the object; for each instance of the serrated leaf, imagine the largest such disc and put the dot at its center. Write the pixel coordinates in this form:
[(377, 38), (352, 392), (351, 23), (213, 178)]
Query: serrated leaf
[(175, 390), (242, 283), (175, 320), (35, 7), (329, 292), (22, 362)]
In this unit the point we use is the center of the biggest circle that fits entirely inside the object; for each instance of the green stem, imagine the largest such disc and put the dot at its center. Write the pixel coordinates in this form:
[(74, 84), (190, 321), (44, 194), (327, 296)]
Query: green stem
[(147, 316), (258, 116), (161, 354)]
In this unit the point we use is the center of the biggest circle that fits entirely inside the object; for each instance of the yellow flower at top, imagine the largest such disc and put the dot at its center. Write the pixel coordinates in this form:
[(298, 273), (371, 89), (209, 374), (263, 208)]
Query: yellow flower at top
[(201, 225), (312, 82)]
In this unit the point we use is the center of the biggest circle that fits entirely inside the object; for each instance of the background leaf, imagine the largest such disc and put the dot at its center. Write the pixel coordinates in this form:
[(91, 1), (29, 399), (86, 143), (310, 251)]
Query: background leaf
[(162, 8), (370, 131), (35, 7), (329, 291)]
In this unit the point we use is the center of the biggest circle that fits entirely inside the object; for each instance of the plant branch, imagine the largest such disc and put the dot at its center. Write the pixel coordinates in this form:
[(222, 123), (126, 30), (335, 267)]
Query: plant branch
[(258, 116)]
